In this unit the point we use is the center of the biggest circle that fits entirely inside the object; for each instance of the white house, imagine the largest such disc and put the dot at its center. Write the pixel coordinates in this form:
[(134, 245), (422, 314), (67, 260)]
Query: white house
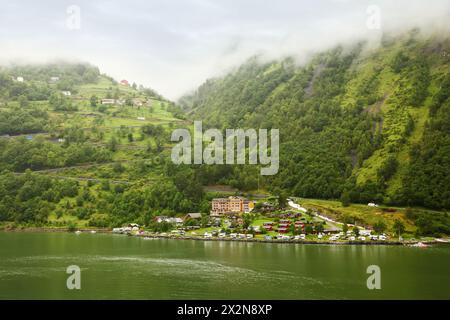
[(133, 226), (371, 204), (141, 118), (177, 221), (66, 93), (365, 232), (54, 79), (138, 102), (108, 101), (19, 79)]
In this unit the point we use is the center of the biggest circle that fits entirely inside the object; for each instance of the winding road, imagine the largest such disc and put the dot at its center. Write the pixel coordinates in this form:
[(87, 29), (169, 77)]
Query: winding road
[(337, 224)]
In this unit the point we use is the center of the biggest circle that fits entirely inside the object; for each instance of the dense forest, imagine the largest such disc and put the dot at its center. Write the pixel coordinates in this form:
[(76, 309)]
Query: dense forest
[(31, 198), (371, 125)]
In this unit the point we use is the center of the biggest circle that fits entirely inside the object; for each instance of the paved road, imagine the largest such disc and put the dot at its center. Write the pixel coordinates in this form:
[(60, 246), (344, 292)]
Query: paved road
[(294, 205), (83, 166), (79, 178)]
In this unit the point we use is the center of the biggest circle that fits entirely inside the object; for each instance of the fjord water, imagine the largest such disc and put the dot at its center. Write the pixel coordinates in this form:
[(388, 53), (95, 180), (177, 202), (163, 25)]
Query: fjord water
[(33, 266)]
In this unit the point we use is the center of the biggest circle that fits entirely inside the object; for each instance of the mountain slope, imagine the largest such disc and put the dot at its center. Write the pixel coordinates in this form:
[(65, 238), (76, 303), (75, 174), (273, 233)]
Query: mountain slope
[(352, 120)]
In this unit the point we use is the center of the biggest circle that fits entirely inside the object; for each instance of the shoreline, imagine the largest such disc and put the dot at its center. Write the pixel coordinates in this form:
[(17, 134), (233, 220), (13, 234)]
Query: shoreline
[(306, 242), (50, 230), (199, 238)]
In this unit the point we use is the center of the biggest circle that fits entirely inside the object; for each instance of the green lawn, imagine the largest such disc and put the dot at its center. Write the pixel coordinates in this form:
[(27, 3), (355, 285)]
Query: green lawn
[(101, 88)]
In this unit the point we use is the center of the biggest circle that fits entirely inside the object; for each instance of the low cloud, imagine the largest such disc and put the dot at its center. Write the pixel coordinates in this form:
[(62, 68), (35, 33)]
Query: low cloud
[(173, 46)]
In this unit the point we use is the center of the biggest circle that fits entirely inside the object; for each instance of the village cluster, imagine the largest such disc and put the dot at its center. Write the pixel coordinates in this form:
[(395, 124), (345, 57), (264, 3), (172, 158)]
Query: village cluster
[(136, 102), (235, 218)]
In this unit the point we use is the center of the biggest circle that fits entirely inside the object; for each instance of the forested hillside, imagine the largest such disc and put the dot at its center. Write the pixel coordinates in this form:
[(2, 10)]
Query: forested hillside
[(355, 123), (80, 148)]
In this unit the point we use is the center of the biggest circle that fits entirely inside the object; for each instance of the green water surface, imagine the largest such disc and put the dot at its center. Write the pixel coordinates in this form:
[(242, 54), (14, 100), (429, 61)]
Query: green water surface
[(33, 266)]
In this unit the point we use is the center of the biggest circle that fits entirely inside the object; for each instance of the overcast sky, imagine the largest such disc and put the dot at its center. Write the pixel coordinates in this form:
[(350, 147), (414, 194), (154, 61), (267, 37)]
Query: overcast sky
[(173, 46)]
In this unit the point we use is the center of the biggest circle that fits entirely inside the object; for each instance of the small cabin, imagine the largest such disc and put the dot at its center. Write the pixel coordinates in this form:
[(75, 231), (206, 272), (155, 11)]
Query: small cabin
[(108, 101)]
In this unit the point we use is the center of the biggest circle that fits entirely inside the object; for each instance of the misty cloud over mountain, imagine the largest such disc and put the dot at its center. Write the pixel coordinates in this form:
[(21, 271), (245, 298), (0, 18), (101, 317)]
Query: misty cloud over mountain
[(173, 46)]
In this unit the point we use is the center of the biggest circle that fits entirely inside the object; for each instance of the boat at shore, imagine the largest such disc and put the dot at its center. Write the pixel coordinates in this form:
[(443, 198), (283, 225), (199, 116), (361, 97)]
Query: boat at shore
[(419, 245)]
